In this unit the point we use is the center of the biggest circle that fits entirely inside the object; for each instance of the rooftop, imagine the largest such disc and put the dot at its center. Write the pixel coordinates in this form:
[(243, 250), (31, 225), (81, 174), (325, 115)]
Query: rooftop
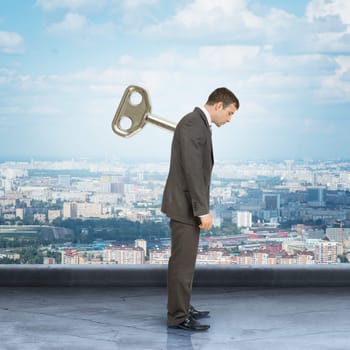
[(247, 316)]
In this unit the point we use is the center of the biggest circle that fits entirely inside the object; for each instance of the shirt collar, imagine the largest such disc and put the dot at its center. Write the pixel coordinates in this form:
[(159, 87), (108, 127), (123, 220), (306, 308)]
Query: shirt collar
[(207, 115)]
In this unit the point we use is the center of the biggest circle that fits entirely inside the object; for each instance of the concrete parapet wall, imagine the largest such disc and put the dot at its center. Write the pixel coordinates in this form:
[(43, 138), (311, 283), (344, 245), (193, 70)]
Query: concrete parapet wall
[(155, 275)]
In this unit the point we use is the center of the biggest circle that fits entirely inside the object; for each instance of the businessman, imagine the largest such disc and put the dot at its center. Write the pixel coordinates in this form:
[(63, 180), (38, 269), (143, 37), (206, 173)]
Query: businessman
[(186, 201)]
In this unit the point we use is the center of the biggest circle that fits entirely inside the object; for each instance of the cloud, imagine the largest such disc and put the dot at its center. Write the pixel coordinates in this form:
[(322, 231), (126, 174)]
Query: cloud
[(10, 43), (75, 23), (72, 22), (336, 87), (253, 71), (72, 5), (44, 110), (228, 56), (331, 42), (37, 110), (202, 17), (87, 14), (134, 4), (83, 5), (224, 21), (318, 9), (6, 76), (324, 28), (79, 17), (332, 20), (201, 13)]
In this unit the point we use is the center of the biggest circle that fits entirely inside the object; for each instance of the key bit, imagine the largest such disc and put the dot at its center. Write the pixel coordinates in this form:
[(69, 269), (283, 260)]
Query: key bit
[(134, 111)]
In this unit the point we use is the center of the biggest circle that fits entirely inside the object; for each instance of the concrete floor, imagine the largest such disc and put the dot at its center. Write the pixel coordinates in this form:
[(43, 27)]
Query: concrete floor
[(134, 318)]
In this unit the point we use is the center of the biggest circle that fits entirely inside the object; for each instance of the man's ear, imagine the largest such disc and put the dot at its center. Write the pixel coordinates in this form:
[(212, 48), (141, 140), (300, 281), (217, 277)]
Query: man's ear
[(219, 106)]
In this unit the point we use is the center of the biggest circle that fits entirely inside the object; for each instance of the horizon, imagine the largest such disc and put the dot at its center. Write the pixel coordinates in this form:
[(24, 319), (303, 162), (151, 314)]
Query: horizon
[(97, 159)]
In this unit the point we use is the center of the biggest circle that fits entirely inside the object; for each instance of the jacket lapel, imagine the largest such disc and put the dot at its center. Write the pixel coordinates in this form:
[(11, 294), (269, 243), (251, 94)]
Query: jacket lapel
[(203, 116)]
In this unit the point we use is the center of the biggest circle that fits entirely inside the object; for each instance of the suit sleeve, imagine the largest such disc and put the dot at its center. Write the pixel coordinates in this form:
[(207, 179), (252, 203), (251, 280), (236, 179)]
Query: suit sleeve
[(193, 139)]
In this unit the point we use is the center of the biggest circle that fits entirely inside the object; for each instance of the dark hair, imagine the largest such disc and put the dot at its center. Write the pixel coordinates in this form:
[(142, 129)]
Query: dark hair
[(223, 95)]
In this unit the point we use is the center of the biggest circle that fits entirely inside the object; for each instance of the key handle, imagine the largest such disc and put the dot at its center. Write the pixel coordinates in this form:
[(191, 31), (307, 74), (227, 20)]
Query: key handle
[(132, 111)]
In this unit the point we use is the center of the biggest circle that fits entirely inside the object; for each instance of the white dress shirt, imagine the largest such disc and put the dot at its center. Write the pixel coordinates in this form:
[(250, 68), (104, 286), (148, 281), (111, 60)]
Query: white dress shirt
[(204, 110)]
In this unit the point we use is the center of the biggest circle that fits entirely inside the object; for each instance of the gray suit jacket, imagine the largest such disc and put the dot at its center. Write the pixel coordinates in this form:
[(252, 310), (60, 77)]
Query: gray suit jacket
[(186, 193)]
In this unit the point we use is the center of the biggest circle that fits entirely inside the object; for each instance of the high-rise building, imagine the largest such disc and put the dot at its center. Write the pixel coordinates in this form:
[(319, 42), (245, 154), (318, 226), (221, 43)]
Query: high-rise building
[(141, 243), (271, 206), (8, 185), (40, 217), (300, 230), (338, 234), (315, 196), (105, 187), (117, 188), (124, 255), (69, 210), (326, 252), (244, 219), (70, 257), (53, 214), (159, 256), (20, 213), (227, 216), (213, 256), (89, 210), (271, 201)]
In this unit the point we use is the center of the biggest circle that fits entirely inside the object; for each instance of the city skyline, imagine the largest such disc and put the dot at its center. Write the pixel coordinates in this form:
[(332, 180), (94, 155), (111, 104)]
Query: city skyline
[(95, 213), (64, 66)]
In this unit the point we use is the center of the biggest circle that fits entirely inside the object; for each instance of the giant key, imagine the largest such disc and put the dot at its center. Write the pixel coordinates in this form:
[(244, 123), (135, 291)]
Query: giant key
[(134, 111)]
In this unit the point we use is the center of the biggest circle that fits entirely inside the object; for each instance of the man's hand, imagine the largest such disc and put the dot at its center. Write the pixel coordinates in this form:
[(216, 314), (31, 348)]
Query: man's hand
[(206, 222)]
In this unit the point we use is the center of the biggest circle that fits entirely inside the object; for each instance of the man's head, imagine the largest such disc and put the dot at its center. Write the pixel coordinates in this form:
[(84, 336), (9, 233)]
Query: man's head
[(221, 105)]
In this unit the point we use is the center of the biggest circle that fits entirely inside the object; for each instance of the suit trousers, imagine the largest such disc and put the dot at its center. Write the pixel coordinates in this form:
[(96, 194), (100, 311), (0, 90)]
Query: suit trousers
[(184, 247)]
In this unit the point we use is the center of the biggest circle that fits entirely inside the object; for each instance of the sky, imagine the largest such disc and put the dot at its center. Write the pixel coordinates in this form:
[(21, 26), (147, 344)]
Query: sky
[(64, 66)]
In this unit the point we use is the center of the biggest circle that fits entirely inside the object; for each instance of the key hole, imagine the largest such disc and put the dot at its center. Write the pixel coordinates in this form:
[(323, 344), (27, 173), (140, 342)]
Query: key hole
[(125, 123), (135, 98)]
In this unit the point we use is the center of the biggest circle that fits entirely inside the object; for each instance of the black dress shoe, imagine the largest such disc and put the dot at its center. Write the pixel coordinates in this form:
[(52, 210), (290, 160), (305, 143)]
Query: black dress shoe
[(190, 324), (196, 314)]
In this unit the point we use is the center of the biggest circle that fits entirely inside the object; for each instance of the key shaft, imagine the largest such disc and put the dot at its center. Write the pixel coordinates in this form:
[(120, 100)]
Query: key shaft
[(165, 124)]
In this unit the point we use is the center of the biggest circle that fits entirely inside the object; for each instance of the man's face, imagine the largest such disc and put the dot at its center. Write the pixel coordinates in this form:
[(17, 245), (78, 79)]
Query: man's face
[(223, 115)]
